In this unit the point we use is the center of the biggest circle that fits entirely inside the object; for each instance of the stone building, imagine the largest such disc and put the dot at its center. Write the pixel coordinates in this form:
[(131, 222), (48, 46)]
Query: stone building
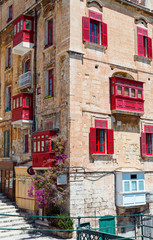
[(82, 69)]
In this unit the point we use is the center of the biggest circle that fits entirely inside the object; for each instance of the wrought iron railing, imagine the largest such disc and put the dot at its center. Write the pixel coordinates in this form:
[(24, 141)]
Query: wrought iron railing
[(25, 79)]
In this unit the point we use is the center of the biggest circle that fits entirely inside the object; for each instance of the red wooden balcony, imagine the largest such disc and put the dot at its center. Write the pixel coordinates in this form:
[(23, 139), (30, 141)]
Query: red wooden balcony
[(43, 149), (23, 32), (126, 96), (22, 110)]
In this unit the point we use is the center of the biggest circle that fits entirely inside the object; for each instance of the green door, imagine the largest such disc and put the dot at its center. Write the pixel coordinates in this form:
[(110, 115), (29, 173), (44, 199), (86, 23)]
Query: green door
[(107, 224)]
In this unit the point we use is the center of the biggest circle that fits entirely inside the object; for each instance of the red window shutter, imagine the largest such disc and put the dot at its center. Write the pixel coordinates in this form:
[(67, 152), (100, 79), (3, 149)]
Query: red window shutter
[(86, 29), (95, 16), (143, 144), (140, 41), (92, 140), (110, 141), (104, 34), (101, 124), (149, 47)]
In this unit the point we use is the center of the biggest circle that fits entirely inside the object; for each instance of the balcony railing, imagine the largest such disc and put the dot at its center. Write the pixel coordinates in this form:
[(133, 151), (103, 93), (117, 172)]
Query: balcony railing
[(25, 79)]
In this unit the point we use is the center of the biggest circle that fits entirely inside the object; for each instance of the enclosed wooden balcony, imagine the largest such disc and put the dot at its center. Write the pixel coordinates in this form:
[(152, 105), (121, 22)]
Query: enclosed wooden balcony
[(22, 113), (23, 34), (43, 149), (126, 96)]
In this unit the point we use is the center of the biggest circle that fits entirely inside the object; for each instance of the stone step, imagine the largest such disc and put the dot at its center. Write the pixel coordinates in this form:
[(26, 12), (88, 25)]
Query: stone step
[(10, 218), (11, 233), (7, 207), (20, 223), (30, 236)]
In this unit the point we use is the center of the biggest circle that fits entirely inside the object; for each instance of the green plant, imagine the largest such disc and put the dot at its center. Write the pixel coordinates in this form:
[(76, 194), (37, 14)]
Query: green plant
[(7, 68), (63, 222), (49, 96)]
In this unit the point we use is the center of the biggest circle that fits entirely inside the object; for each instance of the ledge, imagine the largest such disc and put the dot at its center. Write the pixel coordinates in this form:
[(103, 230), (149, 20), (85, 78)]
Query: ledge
[(49, 48), (150, 157), (126, 112), (142, 59), (145, 9), (94, 45)]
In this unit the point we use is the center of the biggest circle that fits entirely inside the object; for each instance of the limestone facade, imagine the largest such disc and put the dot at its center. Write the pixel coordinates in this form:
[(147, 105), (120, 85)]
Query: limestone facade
[(82, 73)]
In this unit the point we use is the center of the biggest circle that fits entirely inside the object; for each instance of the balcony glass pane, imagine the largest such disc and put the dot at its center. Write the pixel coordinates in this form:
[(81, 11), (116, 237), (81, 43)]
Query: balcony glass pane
[(119, 90), (14, 104), (134, 186), (141, 185), (139, 94), (34, 147), (47, 145), (21, 24), (132, 92), (20, 101), (18, 27), (28, 24), (27, 102), (17, 102), (38, 147), (15, 30), (126, 91), (126, 186), (53, 145), (42, 146)]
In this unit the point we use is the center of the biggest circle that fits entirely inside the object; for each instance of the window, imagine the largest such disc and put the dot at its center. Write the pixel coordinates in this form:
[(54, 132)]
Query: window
[(7, 143), (94, 30), (48, 125), (43, 144), (147, 141), (131, 184), (144, 43), (127, 95), (27, 66), (49, 83), (10, 13), (8, 57), (49, 33), (26, 139), (101, 138), (8, 98)]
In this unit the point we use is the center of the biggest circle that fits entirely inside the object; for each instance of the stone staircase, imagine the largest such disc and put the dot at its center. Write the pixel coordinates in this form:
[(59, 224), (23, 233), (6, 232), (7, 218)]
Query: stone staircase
[(16, 221)]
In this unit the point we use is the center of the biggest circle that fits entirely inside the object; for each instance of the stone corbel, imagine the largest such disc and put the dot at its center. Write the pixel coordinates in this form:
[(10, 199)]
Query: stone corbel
[(95, 3)]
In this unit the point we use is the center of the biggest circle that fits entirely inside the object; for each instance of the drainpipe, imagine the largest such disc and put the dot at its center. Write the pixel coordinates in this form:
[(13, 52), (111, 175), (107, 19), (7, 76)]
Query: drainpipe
[(35, 76), (34, 126)]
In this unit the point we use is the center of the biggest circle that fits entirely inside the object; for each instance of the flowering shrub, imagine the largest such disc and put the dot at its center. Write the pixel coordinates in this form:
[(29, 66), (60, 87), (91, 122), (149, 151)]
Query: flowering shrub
[(44, 184)]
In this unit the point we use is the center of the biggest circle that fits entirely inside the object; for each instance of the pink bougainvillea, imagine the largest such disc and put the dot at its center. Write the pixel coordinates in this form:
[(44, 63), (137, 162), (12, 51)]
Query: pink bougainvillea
[(44, 184)]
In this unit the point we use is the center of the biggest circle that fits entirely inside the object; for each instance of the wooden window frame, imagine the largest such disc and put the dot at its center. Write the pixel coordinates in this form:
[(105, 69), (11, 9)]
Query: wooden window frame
[(88, 22), (49, 33), (38, 142), (108, 138), (50, 83), (10, 13), (144, 43), (124, 85)]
